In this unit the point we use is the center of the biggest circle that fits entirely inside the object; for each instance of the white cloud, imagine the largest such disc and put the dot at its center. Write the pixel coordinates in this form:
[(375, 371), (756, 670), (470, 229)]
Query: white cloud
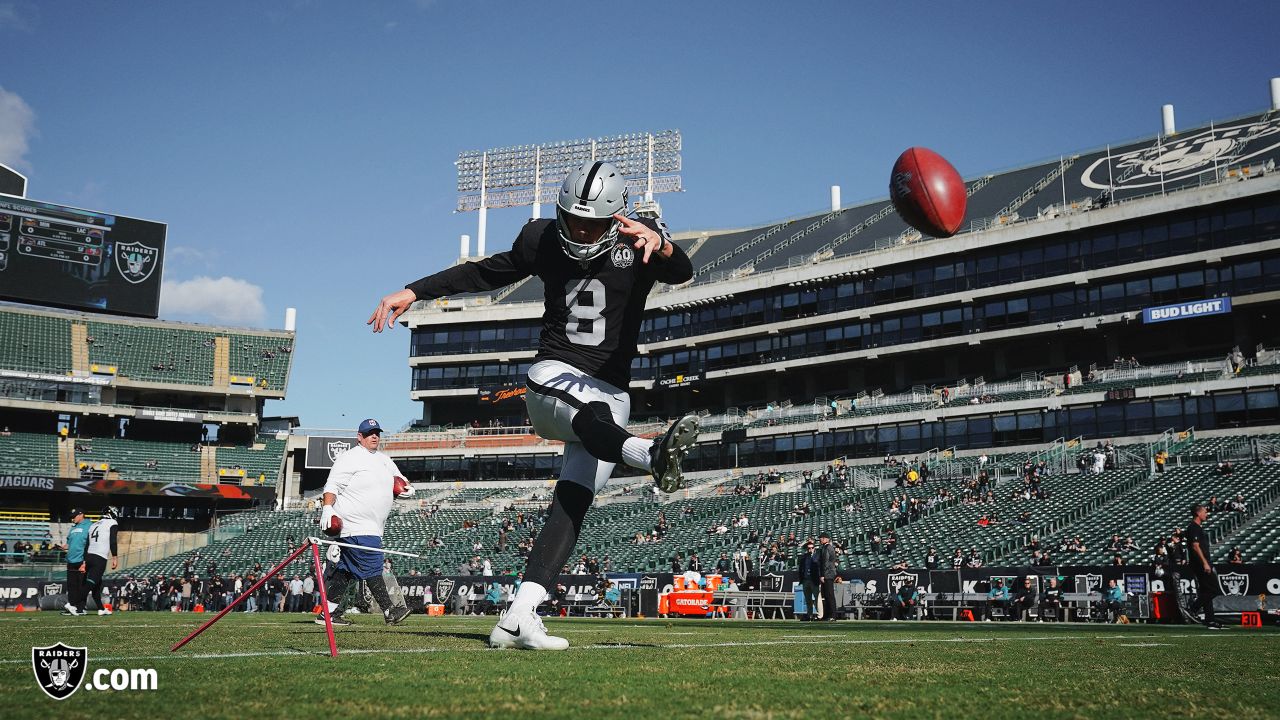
[(187, 255), (17, 16), (224, 300), (17, 127)]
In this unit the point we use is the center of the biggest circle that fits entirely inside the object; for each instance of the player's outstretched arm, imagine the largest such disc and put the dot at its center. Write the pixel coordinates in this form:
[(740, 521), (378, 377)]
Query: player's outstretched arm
[(675, 267), (390, 308)]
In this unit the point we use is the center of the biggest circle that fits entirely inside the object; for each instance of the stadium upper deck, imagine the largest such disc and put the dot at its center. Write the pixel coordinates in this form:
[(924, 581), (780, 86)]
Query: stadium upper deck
[(1058, 261), (145, 354)]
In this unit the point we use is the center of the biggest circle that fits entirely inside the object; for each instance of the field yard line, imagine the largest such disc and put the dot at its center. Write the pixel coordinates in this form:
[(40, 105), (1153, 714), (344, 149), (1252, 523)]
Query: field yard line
[(633, 646)]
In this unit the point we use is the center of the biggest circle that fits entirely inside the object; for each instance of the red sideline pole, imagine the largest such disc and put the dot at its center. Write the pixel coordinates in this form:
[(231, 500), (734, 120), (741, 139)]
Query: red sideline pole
[(243, 595), (324, 601)]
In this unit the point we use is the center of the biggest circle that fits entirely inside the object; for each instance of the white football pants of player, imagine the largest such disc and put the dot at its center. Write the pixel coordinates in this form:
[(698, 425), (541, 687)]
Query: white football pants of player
[(556, 392)]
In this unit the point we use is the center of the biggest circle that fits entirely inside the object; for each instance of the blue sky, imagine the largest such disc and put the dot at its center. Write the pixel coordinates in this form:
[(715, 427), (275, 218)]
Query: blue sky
[(301, 150)]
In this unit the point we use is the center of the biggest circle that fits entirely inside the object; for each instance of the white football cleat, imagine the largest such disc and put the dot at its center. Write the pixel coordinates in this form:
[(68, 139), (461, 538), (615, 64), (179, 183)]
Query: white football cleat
[(524, 631), (104, 611)]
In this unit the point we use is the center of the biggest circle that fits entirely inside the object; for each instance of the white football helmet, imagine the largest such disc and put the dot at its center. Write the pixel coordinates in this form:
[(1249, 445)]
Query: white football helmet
[(593, 192)]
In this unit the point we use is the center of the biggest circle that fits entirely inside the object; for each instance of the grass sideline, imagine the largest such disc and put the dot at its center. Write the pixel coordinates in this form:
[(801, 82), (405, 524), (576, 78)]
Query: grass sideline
[(263, 665)]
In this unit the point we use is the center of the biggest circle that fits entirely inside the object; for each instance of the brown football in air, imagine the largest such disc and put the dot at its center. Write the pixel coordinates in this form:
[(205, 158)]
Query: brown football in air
[(927, 192)]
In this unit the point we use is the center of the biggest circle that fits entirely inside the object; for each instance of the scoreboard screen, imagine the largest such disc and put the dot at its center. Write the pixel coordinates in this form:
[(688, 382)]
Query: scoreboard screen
[(79, 259)]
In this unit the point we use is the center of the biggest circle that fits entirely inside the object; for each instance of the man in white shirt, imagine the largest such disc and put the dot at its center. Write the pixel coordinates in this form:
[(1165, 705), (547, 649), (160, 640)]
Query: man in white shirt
[(295, 594), (360, 491)]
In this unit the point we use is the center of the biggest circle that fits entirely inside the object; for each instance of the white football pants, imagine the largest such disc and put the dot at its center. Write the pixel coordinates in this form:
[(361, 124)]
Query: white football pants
[(556, 392)]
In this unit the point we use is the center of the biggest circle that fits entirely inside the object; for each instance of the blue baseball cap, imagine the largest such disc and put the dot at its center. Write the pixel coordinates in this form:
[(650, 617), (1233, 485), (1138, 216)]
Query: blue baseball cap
[(370, 426)]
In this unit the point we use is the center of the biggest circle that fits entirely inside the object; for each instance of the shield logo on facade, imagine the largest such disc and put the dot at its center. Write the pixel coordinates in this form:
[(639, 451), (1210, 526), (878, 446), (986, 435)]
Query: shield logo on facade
[(1088, 583), (336, 448), (59, 669), (648, 582), (898, 579), (771, 582), (136, 261), (444, 588), (1234, 583)]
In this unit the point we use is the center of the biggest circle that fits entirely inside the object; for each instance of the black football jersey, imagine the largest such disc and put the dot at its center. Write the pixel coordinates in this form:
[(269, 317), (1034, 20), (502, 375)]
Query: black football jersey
[(593, 310)]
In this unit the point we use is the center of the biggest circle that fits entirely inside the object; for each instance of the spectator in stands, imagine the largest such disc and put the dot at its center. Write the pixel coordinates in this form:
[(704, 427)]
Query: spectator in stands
[(957, 559), (677, 566), (1117, 560), (973, 560), (1236, 557), (695, 564), (931, 559)]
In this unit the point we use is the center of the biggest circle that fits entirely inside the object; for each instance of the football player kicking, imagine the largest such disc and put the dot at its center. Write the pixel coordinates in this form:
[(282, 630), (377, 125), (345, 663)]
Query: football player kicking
[(597, 266)]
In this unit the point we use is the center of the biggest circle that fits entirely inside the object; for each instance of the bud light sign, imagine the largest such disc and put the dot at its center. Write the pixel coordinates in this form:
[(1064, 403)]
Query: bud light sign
[(1199, 308)]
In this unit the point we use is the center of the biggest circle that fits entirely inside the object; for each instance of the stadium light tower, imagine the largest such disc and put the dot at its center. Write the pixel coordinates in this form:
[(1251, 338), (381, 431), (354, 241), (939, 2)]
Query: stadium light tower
[(531, 174)]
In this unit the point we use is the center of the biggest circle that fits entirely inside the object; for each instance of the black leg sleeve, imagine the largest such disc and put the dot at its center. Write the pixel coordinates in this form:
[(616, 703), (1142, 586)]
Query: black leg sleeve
[(559, 534), (599, 434), (381, 592), (335, 585)]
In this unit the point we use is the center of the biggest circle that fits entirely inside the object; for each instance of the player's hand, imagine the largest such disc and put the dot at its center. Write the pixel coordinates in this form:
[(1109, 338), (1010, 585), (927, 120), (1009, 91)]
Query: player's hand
[(115, 563), (642, 235), (1208, 569), (81, 567), (390, 308)]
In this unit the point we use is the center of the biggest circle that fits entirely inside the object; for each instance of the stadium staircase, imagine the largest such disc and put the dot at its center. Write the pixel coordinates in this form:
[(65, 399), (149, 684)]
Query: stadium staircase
[(221, 362), (1156, 507), (79, 347), (1258, 539)]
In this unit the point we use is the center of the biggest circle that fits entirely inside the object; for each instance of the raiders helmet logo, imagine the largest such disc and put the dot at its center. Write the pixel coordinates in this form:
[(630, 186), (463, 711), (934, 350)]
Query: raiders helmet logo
[(59, 669), (1233, 583), (444, 588), (136, 261), (1088, 583), (622, 256), (1174, 159), (336, 448), (898, 579)]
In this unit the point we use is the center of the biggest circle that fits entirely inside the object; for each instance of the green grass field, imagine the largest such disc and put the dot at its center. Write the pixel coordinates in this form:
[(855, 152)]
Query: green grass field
[(258, 666)]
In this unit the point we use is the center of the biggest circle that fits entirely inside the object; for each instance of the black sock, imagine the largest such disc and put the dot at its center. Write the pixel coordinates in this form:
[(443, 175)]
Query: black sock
[(559, 534)]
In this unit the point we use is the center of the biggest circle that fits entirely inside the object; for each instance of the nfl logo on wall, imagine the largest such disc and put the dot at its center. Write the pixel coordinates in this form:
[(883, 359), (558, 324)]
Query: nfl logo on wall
[(59, 669)]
